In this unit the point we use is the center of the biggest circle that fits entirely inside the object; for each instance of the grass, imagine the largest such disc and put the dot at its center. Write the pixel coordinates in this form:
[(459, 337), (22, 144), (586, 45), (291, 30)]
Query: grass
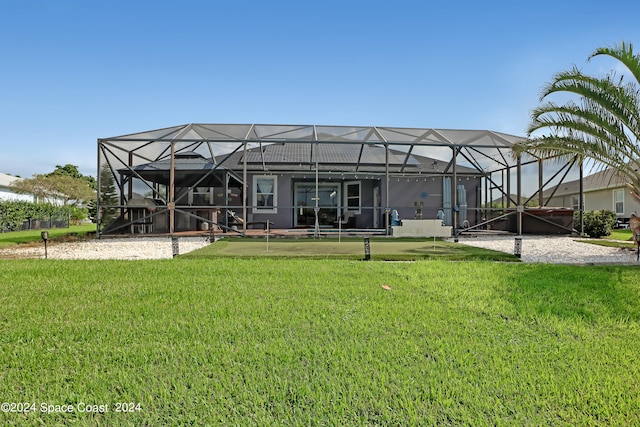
[(623, 235), (617, 239), (381, 249), (29, 236), (610, 243), (253, 342)]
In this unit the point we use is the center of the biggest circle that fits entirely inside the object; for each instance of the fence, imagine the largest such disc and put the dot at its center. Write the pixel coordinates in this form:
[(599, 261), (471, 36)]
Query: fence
[(60, 220), (19, 216)]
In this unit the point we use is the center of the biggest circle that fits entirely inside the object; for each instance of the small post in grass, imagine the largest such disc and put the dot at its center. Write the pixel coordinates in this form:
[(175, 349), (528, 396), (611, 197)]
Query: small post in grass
[(175, 247), (517, 249), (45, 237), (367, 248), (434, 235)]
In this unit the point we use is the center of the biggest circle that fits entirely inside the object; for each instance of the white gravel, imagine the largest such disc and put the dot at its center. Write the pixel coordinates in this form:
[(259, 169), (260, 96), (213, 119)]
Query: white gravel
[(554, 250), (117, 248), (541, 249)]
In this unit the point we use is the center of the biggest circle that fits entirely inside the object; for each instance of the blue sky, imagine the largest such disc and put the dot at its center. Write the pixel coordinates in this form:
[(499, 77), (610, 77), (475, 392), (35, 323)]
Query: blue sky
[(75, 71)]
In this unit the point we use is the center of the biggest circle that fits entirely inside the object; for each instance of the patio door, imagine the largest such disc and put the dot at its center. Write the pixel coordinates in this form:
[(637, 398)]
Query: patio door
[(328, 202)]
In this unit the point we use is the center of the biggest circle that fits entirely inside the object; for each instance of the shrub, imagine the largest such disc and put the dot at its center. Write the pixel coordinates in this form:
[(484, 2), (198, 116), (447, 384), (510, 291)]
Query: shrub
[(17, 214), (599, 223), (77, 214)]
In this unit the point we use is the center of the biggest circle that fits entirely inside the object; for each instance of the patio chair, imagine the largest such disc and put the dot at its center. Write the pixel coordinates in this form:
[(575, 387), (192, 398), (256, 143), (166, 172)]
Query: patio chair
[(237, 221)]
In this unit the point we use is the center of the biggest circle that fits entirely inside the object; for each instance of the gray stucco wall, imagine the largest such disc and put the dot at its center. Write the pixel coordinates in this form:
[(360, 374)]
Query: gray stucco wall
[(407, 191), (404, 193)]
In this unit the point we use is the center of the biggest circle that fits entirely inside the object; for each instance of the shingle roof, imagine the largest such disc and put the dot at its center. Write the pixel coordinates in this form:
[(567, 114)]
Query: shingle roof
[(604, 179), (335, 157), (6, 180)]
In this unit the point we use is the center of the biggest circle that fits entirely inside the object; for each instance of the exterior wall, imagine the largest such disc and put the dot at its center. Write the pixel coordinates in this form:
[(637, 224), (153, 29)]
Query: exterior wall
[(564, 201), (405, 195), (284, 217), (599, 200), (630, 205), (6, 194), (5, 190), (405, 192)]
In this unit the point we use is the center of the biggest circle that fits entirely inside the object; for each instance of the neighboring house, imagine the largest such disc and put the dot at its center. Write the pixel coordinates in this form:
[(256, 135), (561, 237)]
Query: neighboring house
[(504, 200), (603, 190), (6, 193)]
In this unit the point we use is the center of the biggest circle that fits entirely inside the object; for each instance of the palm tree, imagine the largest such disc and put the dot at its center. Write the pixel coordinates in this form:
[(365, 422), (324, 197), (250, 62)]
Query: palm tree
[(604, 125)]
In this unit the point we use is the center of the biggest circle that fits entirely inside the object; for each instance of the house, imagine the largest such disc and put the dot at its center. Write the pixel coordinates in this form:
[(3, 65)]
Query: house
[(199, 177), (286, 195), (7, 193), (603, 190)]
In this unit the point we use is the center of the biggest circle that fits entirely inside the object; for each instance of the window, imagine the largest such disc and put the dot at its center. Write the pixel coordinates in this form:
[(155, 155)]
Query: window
[(265, 194), (618, 201), (575, 202), (201, 196), (352, 196)]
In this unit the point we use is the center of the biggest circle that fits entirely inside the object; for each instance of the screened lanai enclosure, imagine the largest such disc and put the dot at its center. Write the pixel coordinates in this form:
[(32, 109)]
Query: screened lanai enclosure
[(232, 178)]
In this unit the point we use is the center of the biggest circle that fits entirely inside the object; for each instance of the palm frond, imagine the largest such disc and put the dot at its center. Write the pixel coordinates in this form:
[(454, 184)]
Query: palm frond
[(623, 53), (619, 102), (604, 125)]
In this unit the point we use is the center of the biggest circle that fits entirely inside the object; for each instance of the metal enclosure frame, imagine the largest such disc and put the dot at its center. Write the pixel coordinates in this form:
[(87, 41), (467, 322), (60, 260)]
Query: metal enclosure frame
[(223, 156)]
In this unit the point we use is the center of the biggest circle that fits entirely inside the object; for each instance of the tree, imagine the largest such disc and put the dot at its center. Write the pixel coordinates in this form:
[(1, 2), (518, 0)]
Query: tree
[(108, 196), (72, 170), (54, 188), (604, 125), (65, 184)]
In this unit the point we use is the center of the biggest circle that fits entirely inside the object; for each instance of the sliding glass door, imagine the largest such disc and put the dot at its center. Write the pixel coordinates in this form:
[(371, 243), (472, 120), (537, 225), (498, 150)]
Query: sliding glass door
[(328, 202)]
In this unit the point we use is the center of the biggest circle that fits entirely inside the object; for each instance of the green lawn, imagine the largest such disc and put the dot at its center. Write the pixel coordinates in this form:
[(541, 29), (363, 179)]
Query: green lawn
[(620, 235), (320, 342), (617, 239), (610, 243), (381, 249), (20, 237)]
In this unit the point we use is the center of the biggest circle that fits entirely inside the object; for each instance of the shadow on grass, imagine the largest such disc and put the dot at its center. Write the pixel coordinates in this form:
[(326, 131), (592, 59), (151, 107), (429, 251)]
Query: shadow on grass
[(590, 293)]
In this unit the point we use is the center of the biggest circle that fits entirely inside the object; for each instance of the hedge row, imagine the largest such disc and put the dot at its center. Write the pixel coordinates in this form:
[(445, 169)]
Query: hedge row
[(15, 213)]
